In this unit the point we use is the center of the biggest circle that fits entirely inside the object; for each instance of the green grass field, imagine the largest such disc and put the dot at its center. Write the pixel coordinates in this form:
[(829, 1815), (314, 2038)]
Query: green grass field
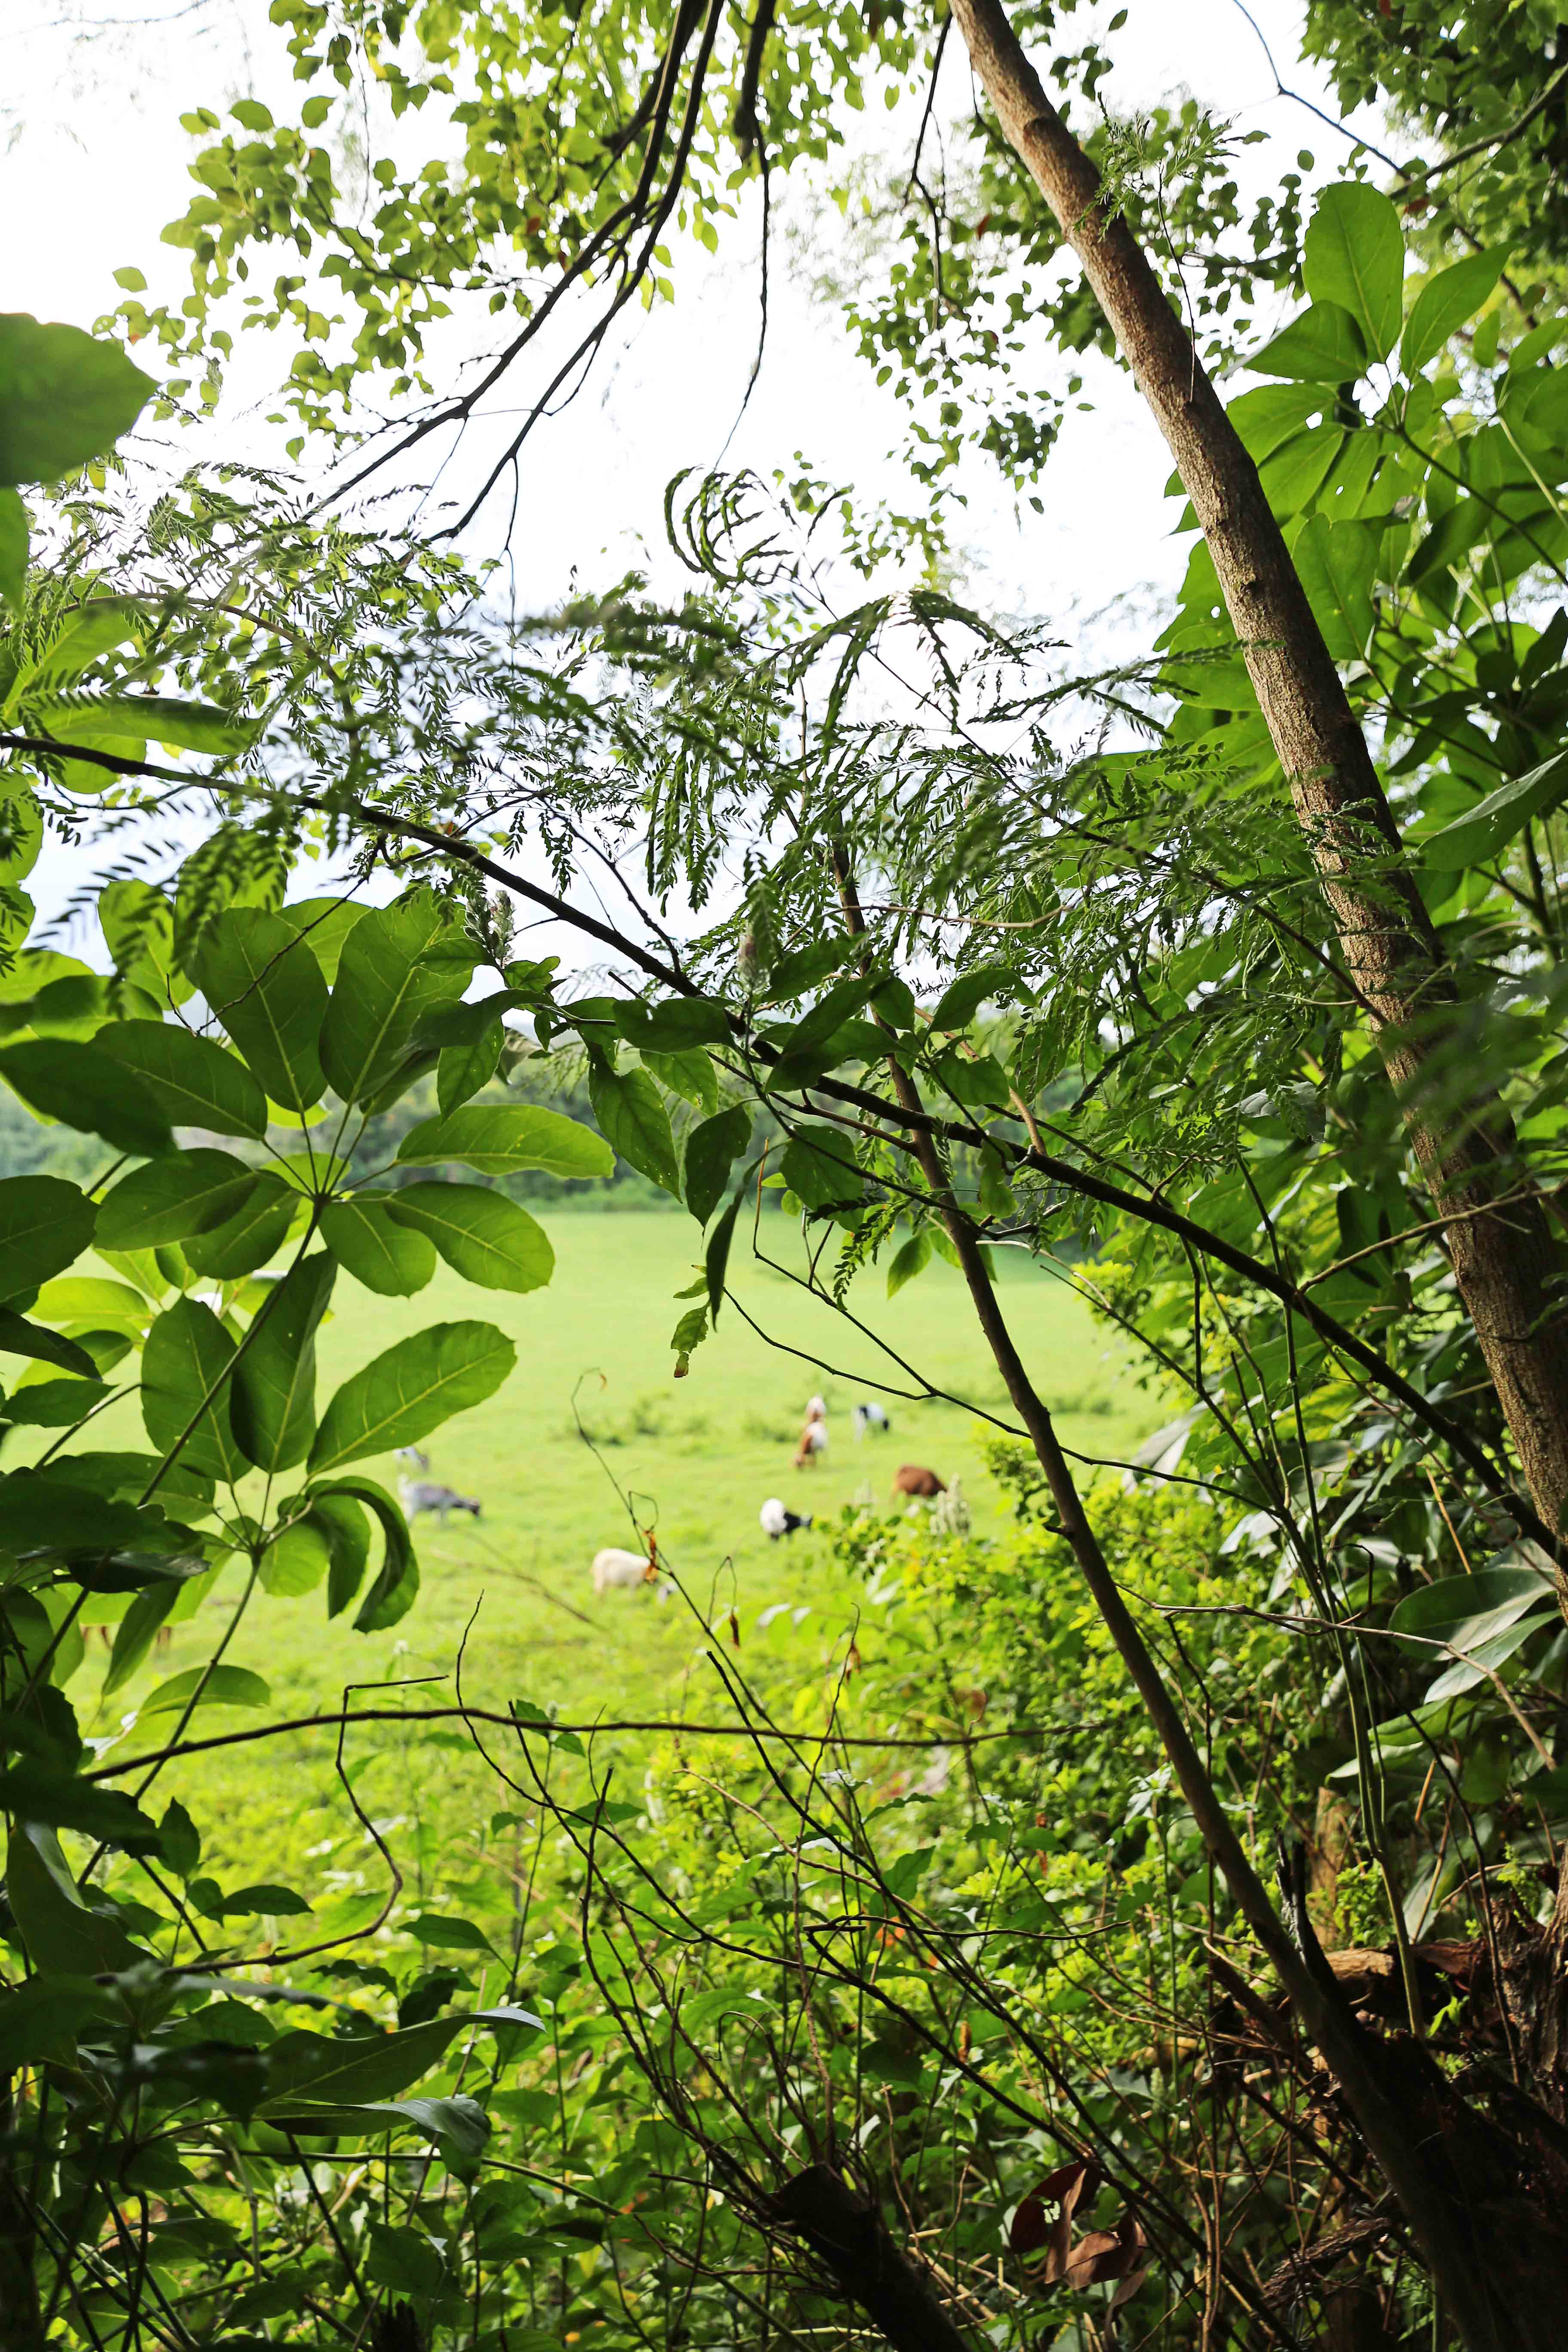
[(698, 1457)]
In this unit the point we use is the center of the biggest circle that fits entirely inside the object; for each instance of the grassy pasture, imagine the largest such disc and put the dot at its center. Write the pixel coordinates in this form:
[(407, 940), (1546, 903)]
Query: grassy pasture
[(698, 1457)]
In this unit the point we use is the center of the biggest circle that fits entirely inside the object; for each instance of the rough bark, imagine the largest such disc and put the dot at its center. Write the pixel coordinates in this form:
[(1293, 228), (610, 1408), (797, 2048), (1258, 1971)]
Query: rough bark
[(1506, 1260)]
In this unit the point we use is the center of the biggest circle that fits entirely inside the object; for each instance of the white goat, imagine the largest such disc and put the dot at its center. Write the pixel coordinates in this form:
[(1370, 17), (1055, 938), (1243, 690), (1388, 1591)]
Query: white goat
[(867, 1418), (613, 1567), (775, 1522)]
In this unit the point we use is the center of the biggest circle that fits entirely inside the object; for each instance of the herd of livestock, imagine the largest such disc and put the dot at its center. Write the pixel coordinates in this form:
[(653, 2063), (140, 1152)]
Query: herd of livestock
[(613, 1567)]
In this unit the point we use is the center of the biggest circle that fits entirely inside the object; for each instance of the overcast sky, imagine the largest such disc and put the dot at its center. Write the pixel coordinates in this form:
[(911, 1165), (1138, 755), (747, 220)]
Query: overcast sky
[(97, 163)]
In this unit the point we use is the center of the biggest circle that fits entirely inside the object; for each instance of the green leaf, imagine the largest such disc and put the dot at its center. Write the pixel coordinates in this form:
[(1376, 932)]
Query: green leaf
[(20, 1338), (274, 1406), (1324, 345), (1355, 257), (463, 1071), (969, 991), (500, 1139), (1338, 566), (1478, 836), (403, 2261), (134, 1635), (483, 1235), (266, 987), (360, 2066), (217, 1685), (137, 925), (87, 1089), (83, 1299), (819, 1167), (449, 1935), (674, 1025), (192, 1079), (792, 975), (52, 1404), (633, 1122), (392, 1594), (387, 981), (347, 1532), (295, 1562), (266, 1900), (44, 1226), (41, 1512), (324, 925), (386, 1256), (911, 1258), (401, 1395), (716, 1258), (188, 1193), (1447, 299), (62, 1936), (188, 1355), (14, 528), (689, 1334), (459, 2124), (65, 397), (249, 1239), (711, 1150), (109, 720), (41, 2018), (691, 1076)]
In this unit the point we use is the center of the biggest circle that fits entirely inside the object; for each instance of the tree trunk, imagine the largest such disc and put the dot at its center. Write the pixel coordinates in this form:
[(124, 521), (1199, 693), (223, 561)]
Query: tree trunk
[(848, 2234), (1506, 1260)]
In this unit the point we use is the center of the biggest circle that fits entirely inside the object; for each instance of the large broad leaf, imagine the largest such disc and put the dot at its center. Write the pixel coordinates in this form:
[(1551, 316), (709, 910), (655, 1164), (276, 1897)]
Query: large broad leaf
[(482, 1235), (252, 1237), (1355, 257), (188, 1193), (401, 1396), (39, 1513), (109, 720), (1338, 566), (711, 1150), (364, 2066), (62, 1936), (217, 1685), (634, 1121), (266, 987), (185, 1385), (65, 397), (674, 1025), (819, 1167), (193, 1080), (1324, 345), (394, 1591), (20, 1338), (399, 964), (500, 1139), (88, 1089), (371, 1244), (324, 925), (458, 2125), (274, 1409), (1443, 305), (461, 1071), (1490, 826), (296, 1561), (44, 1226)]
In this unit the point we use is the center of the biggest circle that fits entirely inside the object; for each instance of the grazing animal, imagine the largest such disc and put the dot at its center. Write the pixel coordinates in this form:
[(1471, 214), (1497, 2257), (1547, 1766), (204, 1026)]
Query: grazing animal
[(911, 1479), (420, 1460), (813, 1435), (776, 1521), (613, 1567), (867, 1418), (426, 1495)]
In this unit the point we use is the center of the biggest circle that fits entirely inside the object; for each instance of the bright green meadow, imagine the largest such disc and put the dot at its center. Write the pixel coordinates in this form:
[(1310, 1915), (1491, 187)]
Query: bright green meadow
[(697, 1457)]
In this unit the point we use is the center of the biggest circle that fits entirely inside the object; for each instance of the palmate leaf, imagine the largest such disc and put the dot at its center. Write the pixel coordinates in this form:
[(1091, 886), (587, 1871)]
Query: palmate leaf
[(274, 1407), (401, 1396), (44, 1226), (87, 1089), (500, 1139), (193, 1080), (187, 1193), (398, 965), (483, 1235), (266, 987), (390, 1258)]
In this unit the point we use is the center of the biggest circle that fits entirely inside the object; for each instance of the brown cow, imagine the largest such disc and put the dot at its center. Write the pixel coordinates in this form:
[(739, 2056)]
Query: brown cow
[(911, 1479)]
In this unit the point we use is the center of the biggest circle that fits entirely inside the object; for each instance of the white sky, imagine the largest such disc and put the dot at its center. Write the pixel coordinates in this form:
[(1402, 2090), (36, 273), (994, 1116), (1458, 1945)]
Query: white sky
[(95, 164)]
